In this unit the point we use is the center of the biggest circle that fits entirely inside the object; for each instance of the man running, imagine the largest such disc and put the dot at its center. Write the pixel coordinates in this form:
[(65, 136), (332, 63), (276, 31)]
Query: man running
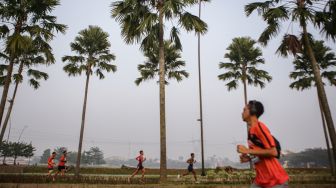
[(261, 150), (61, 164), (51, 164), (191, 161), (140, 167)]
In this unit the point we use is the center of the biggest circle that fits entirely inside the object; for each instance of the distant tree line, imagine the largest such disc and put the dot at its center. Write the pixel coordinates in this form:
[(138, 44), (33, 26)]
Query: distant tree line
[(15, 150), (312, 157), (94, 156)]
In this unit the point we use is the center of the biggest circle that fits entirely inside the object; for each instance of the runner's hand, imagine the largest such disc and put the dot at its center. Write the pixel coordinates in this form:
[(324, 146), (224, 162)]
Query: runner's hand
[(244, 158), (242, 149)]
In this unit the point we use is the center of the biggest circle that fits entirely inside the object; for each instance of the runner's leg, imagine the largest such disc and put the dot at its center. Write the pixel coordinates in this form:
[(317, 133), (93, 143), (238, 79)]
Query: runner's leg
[(195, 176)]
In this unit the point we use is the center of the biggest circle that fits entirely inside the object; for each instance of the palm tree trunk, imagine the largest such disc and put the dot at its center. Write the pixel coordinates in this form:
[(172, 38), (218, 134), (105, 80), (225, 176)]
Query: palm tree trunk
[(6, 88), (200, 91), (245, 102), (163, 149), (321, 91), (9, 111), (330, 156), (245, 85), (77, 170)]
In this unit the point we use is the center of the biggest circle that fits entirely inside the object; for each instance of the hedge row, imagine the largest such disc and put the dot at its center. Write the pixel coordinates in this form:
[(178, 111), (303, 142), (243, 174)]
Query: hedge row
[(233, 180), (124, 171), (105, 170)]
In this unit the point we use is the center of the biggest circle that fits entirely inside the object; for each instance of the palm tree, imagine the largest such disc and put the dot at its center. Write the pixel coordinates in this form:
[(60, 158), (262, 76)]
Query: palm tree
[(29, 58), (303, 77), (150, 68), (244, 58), (326, 20), (144, 22), (93, 49), (302, 11), (19, 18)]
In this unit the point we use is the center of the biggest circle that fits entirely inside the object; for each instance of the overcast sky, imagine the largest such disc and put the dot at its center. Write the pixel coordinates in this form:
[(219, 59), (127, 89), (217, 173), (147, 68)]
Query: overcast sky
[(123, 118)]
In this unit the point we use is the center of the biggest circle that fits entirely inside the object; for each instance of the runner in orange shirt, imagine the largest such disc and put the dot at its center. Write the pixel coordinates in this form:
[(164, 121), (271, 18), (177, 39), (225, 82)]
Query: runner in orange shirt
[(269, 172), (51, 164), (61, 164)]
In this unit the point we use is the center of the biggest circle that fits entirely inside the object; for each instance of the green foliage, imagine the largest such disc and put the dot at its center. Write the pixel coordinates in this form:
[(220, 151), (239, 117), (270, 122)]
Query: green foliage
[(139, 20), (45, 156), (16, 149), (230, 176), (314, 157), (173, 62), (33, 55), (35, 21), (244, 58), (303, 74), (94, 156), (6, 149), (93, 55), (326, 20)]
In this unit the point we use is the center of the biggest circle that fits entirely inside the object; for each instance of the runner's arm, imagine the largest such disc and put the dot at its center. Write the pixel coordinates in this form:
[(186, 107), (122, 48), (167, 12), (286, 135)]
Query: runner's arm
[(271, 152)]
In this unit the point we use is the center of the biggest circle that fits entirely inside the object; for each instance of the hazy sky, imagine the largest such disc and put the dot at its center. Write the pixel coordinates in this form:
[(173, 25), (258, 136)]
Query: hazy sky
[(123, 118)]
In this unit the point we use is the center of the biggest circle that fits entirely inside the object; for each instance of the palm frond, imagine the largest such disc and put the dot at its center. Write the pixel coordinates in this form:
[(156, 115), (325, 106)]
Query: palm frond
[(290, 45)]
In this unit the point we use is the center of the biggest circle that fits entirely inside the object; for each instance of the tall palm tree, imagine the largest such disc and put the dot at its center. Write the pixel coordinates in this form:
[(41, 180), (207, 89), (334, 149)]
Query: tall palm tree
[(19, 18), (303, 77), (302, 12), (144, 22), (150, 68), (93, 56), (30, 58), (244, 58)]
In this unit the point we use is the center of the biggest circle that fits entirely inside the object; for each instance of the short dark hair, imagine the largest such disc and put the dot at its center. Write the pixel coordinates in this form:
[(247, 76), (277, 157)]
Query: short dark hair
[(192, 154), (54, 152), (140, 151), (256, 108)]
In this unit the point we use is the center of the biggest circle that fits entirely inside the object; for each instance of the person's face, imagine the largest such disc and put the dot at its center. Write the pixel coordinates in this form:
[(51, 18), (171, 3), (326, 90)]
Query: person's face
[(192, 156), (246, 114), (141, 153), (53, 155)]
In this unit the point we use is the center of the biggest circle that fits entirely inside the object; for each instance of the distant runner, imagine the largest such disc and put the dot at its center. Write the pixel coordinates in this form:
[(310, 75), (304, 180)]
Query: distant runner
[(61, 164), (262, 150), (140, 167), (51, 164), (191, 161)]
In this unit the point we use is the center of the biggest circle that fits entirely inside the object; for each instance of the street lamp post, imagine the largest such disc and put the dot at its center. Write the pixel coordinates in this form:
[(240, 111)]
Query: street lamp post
[(200, 92)]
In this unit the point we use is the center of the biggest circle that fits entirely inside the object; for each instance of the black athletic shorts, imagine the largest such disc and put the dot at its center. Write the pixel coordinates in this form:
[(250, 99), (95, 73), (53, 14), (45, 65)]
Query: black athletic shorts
[(60, 168), (140, 167), (190, 168)]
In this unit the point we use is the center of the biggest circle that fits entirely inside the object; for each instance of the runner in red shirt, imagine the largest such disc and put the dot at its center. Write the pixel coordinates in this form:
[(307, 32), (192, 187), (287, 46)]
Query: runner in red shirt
[(51, 164), (61, 164), (140, 167), (269, 172)]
